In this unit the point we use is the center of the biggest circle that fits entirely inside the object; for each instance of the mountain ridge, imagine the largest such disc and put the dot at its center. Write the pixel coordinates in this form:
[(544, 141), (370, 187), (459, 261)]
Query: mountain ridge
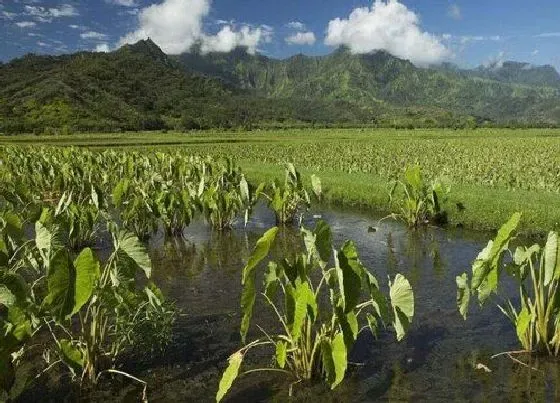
[(139, 87)]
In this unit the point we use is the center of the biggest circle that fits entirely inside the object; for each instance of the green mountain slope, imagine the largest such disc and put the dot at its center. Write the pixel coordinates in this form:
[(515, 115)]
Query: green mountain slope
[(139, 87), (513, 92)]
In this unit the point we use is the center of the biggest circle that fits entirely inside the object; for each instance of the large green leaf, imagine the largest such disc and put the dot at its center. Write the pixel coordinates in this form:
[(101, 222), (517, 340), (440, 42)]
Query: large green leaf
[(230, 374), (323, 240), (72, 356), (302, 293), (352, 271), (129, 246), (402, 300), (248, 293), (13, 289), (43, 239), (87, 273), (61, 282), (340, 360)]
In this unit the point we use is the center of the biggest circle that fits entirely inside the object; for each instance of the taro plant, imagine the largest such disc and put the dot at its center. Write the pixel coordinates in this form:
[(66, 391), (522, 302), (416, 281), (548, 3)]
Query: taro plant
[(288, 198), (320, 308), (92, 309), (176, 209), (226, 198), (137, 210), (94, 312), (418, 202), (535, 315), (80, 217)]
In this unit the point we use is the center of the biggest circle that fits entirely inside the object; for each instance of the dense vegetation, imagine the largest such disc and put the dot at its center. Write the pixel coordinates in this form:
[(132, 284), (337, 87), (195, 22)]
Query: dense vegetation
[(138, 87)]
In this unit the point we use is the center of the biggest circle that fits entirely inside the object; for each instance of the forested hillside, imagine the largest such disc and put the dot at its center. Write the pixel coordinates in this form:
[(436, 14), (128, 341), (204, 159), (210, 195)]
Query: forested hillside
[(138, 87)]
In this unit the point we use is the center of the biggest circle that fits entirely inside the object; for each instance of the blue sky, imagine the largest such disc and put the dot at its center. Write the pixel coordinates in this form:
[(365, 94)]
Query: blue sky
[(466, 32)]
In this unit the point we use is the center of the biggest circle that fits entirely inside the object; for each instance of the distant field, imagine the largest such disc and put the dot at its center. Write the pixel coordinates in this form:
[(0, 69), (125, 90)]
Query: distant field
[(493, 172)]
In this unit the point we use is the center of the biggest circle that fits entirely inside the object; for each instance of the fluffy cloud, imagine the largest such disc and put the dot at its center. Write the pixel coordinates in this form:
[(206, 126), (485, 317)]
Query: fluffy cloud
[(93, 35), (176, 25), (299, 26), (43, 14), (454, 12), (301, 38), (227, 39), (25, 24), (102, 47), (388, 26)]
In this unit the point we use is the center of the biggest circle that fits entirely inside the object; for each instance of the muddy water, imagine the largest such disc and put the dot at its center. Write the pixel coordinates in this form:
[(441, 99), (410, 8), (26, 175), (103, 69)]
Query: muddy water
[(437, 361)]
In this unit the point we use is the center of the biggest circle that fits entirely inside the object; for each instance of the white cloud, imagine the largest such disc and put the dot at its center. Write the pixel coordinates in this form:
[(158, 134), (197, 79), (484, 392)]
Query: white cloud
[(93, 35), (25, 24), (548, 35), (299, 26), (388, 26), (43, 14), (124, 3), (227, 39), (8, 16), (176, 25), (102, 47), (301, 38), (535, 52), (454, 12), (43, 44)]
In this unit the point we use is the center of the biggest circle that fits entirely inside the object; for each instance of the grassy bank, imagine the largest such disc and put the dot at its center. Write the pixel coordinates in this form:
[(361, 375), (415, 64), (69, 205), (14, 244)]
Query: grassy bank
[(485, 208)]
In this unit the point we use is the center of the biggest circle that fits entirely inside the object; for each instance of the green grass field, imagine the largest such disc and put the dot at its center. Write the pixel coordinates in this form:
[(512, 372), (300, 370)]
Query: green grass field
[(492, 172)]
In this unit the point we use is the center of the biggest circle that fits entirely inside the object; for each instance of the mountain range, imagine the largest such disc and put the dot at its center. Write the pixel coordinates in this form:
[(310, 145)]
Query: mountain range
[(138, 87)]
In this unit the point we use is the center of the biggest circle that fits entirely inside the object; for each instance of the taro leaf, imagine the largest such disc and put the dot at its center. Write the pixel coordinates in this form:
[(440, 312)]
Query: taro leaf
[(550, 257), (328, 362), (505, 234), (244, 189), (119, 191), (21, 324), (129, 246), (249, 292), (61, 282), (87, 274), (402, 300), (7, 298), (43, 239), (271, 280), (349, 324), (300, 309), (72, 356), (352, 271), (281, 348), (13, 289), (380, 302), (522, 323), (229, 375), (316, 185), (323, 240), (463, 294), (413, 177), (340, 360)]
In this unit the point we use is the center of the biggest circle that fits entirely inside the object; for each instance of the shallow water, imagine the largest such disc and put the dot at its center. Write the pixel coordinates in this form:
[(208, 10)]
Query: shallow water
[(436, 362)]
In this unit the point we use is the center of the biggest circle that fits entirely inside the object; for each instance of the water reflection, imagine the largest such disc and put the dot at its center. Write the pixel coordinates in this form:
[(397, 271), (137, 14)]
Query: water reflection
[(438, 360)]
